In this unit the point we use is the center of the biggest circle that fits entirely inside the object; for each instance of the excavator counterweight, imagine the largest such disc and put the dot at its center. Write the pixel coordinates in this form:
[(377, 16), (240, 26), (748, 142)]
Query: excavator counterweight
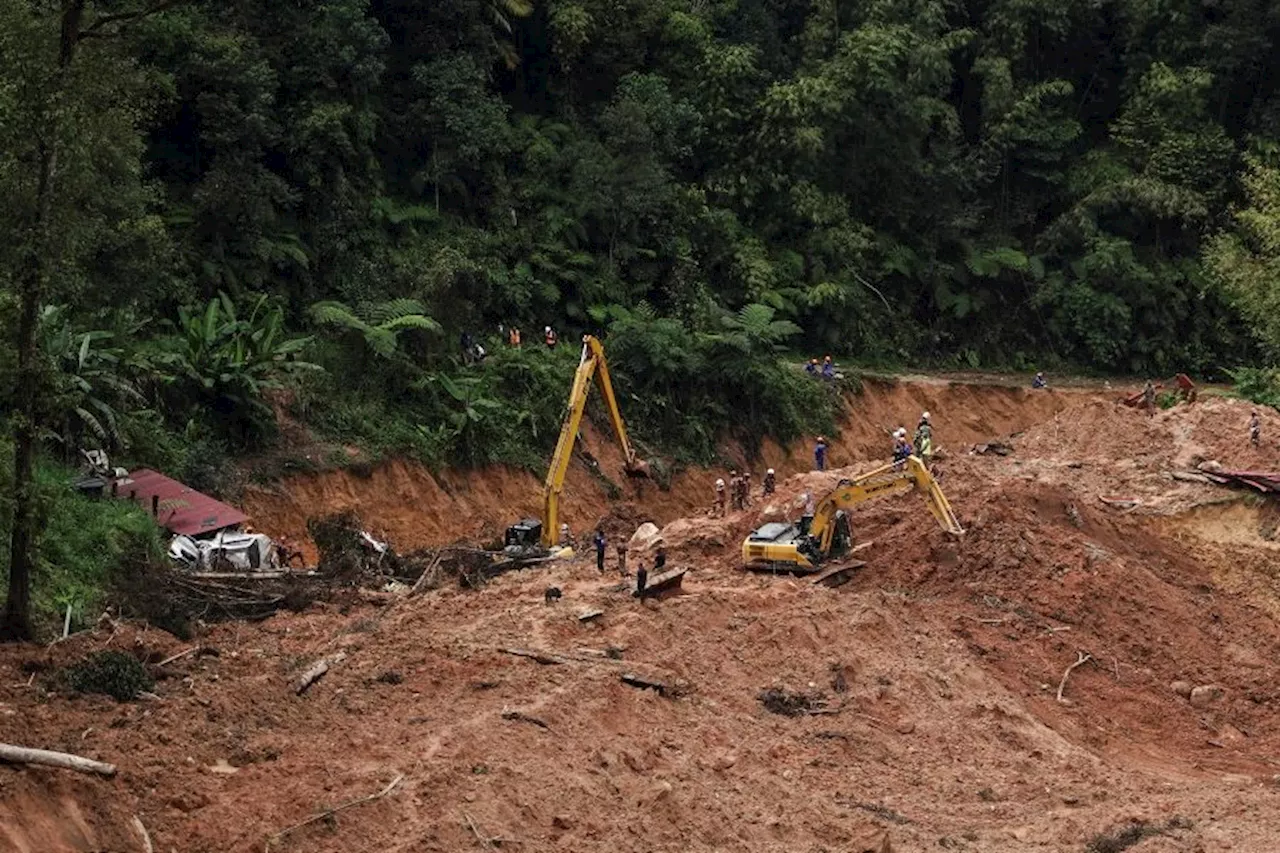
[(800, 548)]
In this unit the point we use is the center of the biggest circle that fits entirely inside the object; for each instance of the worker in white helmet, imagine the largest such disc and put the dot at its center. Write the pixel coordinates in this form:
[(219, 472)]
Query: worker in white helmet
[(923, 443), (769, 481), (901, 447), (720, 496)]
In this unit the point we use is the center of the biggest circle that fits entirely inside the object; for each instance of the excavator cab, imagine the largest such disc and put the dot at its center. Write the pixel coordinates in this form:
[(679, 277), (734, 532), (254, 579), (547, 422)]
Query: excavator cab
[(522, 536)]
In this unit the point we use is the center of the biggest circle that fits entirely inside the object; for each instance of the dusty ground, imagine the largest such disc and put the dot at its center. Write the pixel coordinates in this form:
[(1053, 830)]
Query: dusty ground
[(940, 663)]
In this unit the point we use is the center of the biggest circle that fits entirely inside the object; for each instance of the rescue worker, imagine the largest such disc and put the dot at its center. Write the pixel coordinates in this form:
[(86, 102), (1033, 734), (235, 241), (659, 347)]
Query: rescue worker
[(720, 497), (565, 538), (642, 578), (1039, 382), (828, 369), (735, 483), (812, 367), (820, 454), (769, 482), (923, 442), (901, 447), (1149, 399), (660, 561), (746, 489), (549, 337), (599, 543), (622, 559), (1255, 428)]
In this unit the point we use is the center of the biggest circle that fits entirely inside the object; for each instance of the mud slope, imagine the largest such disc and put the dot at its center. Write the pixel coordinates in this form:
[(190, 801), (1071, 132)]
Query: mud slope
[(412, 507), (938, 667)]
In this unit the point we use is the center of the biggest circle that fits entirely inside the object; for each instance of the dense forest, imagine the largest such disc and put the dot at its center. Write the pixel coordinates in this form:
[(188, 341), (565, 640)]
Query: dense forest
[(219, 213)]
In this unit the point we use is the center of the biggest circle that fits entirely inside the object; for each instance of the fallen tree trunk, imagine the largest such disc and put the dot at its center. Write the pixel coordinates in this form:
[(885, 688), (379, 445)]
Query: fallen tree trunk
[(48, 758)]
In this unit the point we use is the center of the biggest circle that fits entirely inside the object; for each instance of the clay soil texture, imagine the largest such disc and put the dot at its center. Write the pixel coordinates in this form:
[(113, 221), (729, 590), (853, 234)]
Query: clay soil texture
[(920, 706)]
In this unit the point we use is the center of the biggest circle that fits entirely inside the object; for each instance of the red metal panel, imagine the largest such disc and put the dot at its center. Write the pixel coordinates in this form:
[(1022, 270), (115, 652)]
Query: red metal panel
[(181, 509)]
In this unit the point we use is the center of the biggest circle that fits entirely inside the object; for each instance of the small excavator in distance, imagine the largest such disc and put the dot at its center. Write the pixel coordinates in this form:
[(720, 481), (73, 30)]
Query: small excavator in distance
[(800, 548), (531, 538)]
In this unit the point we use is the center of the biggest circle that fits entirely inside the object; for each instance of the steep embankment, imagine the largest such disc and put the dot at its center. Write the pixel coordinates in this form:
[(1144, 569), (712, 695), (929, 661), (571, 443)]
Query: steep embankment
[(413, 507)]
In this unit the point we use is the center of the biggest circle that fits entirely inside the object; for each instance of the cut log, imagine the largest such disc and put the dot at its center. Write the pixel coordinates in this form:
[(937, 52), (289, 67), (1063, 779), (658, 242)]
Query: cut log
[(47, 758), (317, 671)]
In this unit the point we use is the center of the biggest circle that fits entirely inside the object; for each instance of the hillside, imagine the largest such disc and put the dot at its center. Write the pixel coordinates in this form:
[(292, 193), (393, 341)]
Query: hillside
[(939, 662)]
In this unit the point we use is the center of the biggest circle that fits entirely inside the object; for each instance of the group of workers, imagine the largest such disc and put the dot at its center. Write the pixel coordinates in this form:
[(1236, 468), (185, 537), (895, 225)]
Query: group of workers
[(827, 370), (642, 574), (474, 352), (737, 494)]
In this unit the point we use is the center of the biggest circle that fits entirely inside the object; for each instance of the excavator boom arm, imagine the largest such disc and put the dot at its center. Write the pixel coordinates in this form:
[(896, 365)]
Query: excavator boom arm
[(887, 480), (592, 365)]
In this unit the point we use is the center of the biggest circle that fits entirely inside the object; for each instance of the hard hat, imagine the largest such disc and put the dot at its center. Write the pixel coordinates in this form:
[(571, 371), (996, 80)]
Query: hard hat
[(828, 358), (822, 438), (925, 416), (546, 329), (720, 482), (770, 471)]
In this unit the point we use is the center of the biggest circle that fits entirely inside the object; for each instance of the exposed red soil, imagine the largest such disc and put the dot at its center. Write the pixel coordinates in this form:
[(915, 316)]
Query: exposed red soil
[(405, 503), (949, 734)]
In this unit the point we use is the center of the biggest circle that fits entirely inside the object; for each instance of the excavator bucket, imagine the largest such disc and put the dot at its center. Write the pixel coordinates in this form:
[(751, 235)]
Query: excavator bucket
[(638, 468)]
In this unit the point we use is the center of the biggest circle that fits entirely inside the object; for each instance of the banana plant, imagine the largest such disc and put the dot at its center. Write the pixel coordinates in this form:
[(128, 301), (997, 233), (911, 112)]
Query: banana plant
[(228, 359)]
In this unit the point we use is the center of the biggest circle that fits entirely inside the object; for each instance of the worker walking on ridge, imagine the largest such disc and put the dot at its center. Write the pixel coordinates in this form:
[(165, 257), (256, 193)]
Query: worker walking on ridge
[(720, 497), (923, 442), (812, 367), (769, 482), (1039, 382), (828, 369), (1255, 428), (820, 454), (1149, 399), (599, 543)]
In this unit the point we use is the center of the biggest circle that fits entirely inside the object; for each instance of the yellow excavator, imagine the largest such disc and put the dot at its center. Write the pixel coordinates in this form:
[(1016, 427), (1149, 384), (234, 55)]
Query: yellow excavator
[(799, 548), (531, 536)]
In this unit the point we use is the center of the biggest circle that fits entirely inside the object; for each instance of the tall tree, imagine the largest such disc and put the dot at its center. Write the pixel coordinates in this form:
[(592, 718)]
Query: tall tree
[(70, 132)]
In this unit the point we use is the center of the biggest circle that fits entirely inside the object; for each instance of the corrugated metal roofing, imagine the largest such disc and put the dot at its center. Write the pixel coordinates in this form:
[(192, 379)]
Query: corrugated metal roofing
[(181, 508)]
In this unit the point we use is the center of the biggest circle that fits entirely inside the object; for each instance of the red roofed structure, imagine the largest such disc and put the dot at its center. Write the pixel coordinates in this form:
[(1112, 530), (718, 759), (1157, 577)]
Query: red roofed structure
[(178, 508)]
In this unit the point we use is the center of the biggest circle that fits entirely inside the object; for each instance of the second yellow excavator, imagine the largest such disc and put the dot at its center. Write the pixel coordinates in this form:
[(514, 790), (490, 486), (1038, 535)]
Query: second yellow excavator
[(530, 534), (799, 548)]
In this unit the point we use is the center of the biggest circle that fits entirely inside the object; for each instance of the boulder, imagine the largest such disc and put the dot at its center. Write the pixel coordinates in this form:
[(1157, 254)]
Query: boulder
[(1205, 695), (1182, 688)]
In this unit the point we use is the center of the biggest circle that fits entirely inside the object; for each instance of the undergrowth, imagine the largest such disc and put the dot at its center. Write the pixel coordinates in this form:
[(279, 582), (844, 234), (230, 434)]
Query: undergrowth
[(111, 673), (1259, 385), (83, 544), (1122, 838)]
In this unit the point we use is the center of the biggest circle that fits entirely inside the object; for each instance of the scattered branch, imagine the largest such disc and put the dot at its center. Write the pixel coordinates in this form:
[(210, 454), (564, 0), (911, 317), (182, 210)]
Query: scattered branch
[(47, 758), (124, 18), (143, 834), (328, 813), (541, 657), (486, 843), (521, 717), (1082, 658), (179, 656)]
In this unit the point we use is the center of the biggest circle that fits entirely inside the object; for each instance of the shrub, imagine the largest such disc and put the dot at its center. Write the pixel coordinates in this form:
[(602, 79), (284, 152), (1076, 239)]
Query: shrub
[(111, 673)]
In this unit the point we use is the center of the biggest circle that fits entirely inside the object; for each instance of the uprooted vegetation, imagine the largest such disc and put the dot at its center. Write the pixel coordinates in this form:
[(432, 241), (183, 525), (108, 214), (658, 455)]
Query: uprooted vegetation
[(112, 673)]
